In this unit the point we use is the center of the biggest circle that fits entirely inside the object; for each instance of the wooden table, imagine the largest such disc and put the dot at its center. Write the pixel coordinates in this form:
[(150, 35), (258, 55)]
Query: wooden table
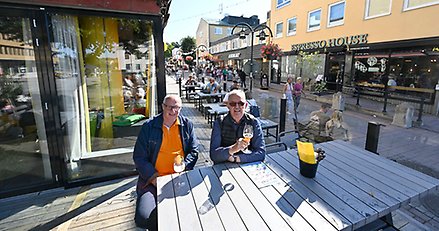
[(267, 124), (352, 188)]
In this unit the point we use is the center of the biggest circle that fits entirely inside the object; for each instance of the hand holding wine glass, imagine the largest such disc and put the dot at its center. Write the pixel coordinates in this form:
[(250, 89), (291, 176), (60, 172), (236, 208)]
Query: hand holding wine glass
[(248, 135), (179, 165)]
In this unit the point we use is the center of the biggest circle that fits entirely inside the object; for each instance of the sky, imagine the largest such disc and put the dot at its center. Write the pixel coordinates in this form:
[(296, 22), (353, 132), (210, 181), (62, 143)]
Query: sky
[(185, 15)]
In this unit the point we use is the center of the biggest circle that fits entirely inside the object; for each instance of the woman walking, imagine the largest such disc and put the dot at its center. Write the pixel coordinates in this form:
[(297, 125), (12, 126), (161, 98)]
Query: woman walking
[(288, 92), (297, 92)]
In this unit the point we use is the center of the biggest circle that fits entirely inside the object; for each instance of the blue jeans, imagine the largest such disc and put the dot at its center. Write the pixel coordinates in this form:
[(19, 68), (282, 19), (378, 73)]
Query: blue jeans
[(144, 217), (296, 99)]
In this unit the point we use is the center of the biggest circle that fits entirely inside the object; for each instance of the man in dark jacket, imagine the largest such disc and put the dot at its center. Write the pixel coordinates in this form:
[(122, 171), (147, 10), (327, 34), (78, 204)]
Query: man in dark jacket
[(227, 143), (157, 147)]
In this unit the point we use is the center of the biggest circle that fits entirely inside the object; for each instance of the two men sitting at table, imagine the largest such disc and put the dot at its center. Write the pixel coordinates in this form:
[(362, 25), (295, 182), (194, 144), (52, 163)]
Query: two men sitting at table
[(227, 143), (160, 141)]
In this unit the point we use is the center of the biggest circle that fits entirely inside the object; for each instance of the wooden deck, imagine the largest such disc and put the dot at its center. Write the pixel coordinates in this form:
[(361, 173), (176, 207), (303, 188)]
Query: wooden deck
[(104, 206)]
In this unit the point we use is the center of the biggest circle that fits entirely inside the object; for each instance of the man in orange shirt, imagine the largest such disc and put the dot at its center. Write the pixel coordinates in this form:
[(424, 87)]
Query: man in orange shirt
[(166, 138)]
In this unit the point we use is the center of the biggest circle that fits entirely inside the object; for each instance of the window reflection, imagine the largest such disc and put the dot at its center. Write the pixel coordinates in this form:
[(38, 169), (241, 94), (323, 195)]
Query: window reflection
[(103, 71), (24, 157)]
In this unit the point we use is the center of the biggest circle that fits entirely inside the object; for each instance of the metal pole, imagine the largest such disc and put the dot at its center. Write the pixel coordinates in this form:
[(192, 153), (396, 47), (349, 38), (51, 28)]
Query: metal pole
[(421, 109), (251, 60), (283, 112)]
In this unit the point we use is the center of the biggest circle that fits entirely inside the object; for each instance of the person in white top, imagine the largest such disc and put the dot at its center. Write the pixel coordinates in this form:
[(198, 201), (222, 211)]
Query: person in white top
[(288, 92)]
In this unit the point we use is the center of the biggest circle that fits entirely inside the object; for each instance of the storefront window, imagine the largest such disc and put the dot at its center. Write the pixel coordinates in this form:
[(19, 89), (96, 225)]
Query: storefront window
[(414, 69), (408, 68), (103, 100), (370, 67)]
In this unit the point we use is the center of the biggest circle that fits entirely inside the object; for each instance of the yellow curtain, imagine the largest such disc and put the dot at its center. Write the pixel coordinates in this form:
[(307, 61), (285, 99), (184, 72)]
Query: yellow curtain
[(104, 81)]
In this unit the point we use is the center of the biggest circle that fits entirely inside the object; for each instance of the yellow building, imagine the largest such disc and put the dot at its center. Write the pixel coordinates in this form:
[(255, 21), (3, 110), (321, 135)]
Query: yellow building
[(361, 43)]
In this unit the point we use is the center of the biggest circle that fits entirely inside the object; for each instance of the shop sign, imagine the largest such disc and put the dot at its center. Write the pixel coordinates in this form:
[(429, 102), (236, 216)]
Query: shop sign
[(334, 42), (236, 55)]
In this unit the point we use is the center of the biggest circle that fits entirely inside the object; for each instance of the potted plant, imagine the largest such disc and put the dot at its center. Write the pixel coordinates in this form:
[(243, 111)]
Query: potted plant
[(270, 51)]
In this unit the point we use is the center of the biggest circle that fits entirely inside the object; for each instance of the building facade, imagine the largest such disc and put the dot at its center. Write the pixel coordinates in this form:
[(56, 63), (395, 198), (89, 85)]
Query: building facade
[(210, 30), (77, 80), (361, 44)]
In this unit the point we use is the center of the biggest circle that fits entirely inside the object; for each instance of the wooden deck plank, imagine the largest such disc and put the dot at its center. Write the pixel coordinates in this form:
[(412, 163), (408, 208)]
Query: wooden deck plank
[(188, 219), (359, 176), (266, 210), (337, 206), (340, 190), (349, 187), (320, 205), (165, 196), (222, 202), (288, 212), (400, 169), (244, 207), (208, 215)]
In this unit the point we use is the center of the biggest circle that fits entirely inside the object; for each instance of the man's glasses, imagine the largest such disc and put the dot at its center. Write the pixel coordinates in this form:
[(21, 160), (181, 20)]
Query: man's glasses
[(175, 107), (233, 104)]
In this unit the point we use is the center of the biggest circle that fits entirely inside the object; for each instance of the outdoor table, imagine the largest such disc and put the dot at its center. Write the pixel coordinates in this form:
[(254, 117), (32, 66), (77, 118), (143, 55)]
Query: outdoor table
[(186, 88), (201, 96), (267, 124), (353, 187)]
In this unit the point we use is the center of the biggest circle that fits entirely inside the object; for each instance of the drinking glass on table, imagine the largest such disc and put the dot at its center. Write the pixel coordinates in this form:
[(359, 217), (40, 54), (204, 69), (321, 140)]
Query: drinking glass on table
[(248, 135), (179, 166)]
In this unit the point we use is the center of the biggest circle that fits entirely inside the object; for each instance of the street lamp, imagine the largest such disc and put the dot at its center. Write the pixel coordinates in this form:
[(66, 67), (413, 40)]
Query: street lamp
[(243, 35), (201, 47)]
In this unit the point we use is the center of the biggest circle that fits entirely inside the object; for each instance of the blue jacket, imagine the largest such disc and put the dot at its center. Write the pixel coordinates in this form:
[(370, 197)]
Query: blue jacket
[(148, 145)]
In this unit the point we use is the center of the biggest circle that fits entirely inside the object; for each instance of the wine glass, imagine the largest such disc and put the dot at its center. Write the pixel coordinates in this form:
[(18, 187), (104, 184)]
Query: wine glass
[(179, 165), (248, 135)]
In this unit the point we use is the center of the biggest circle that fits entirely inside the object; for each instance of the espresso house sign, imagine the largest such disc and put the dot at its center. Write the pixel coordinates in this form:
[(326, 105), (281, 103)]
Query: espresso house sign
[(334, 42)]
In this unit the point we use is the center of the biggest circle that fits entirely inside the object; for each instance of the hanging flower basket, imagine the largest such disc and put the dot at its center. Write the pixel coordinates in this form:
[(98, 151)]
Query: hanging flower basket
[(270, 51)]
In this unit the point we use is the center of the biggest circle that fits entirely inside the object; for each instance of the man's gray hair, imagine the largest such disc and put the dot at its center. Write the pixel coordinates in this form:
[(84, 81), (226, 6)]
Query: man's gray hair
[(239, 93), (176, 97)]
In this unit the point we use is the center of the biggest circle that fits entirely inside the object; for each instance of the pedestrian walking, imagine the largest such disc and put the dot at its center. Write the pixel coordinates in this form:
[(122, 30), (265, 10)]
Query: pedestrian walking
[(288, 92), (297, 92)]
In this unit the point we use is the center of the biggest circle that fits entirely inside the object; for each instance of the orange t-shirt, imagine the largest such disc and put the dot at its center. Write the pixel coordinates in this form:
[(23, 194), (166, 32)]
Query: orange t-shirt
[(171, 143)]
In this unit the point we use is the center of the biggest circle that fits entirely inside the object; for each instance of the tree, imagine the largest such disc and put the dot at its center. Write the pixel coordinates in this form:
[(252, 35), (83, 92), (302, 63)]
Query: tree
[(188, 44), (168, 50)]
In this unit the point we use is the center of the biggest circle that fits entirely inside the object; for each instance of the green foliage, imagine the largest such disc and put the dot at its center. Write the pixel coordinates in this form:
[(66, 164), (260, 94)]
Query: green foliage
[(9, 89), (168, 50), (188, 44), (320, 86), (311, 59)]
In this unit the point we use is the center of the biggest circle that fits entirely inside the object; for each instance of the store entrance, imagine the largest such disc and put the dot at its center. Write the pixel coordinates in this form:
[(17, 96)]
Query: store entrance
[(334, 72)]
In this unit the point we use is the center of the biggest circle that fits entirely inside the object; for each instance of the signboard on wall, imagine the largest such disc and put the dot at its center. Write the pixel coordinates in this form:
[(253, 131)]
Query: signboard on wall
[(334, 42)]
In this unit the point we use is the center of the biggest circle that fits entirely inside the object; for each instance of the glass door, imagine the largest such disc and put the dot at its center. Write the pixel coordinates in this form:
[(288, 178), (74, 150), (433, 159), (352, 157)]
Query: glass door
[(105, 85), (24, 153)]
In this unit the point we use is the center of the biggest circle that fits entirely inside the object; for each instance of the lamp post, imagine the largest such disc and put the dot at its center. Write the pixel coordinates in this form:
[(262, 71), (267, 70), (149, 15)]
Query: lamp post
[(243, 35), (201, 46)]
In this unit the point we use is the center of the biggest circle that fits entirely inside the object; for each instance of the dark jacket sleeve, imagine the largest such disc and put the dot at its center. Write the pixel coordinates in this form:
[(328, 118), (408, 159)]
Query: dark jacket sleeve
[(191, 146), (142, 156)]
